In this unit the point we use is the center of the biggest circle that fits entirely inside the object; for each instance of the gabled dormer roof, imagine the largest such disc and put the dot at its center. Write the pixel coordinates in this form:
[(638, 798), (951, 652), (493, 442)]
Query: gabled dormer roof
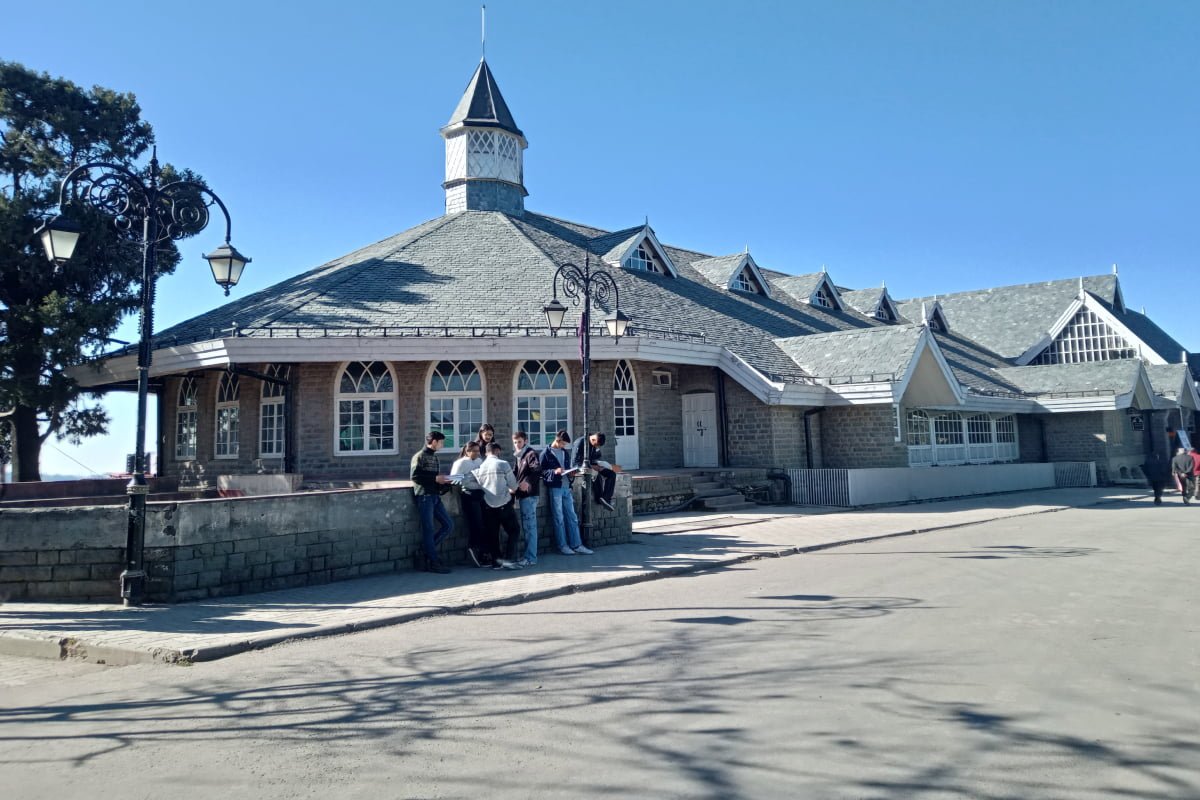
[(725, 272), (872, 302), (933, 317), (806, 288), (482, 105), (644, 236)]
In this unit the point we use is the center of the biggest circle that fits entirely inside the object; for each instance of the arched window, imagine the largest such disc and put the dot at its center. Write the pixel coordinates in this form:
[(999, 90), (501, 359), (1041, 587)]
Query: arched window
[(455, 401), (949, 440), (625, 424), (271, 421), (981, 439), (228, 411), (366, 409), (185, 420), (543, 402)]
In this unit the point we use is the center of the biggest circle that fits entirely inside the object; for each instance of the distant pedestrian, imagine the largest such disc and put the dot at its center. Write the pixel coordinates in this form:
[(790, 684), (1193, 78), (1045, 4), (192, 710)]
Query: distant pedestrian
[(556, 466), (1195, 454), (495, 477), (605, 482), (528, 472), (1157, 471), (1182, 468), (428, 487), (479, 550)]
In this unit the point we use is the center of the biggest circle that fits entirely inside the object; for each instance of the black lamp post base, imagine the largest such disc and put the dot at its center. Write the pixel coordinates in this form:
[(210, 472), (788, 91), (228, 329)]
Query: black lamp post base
[(133, 586)]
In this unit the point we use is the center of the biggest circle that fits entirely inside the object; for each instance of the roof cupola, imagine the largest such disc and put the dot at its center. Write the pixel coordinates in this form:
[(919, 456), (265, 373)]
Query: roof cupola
[(484, 151)]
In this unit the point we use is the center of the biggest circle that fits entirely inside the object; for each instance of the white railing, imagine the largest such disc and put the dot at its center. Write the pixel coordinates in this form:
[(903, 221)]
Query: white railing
[(820, 487), (1074, 474)]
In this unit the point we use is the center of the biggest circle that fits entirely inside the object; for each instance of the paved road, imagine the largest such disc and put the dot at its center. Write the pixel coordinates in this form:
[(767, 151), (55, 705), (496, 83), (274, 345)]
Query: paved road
[(1055, 656)]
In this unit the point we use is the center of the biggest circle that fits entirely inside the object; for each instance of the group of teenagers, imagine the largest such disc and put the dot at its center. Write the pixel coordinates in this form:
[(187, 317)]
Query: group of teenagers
[(495, 495)]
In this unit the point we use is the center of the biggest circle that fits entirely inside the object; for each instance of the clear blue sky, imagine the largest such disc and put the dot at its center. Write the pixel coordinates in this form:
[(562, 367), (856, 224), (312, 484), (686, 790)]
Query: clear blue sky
[(941, 146)]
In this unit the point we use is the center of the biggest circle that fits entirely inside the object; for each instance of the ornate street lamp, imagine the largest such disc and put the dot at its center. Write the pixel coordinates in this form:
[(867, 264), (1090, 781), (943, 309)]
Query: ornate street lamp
[(164, 213), (582, 286)]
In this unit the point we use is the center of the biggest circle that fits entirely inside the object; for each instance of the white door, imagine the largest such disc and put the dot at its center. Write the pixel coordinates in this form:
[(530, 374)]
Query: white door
[(625, 424), (700, 430)]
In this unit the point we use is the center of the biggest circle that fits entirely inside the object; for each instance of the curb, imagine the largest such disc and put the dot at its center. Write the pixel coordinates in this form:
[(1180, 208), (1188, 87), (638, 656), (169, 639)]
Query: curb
[(64, 648)]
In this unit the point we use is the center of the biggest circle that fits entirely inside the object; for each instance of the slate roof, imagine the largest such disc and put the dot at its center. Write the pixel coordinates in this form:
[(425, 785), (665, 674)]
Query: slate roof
[(1168, 378), (800, 287), (482, 105), (720, 270), (864, 301), (493, 269), (1155, 337), (863, 353), (1010, 319), (1095, 377)]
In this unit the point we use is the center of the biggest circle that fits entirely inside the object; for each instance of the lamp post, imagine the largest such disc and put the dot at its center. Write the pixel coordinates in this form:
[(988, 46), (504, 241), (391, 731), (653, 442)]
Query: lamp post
[(164, 212), (582, 286)]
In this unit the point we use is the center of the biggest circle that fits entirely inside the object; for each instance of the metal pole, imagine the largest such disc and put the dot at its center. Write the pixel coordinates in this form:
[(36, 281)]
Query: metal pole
[(133, 578), (586, 344)]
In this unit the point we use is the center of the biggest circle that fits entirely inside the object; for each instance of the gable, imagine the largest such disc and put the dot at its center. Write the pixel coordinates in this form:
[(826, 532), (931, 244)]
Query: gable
[(642, 252), (1086, 337)]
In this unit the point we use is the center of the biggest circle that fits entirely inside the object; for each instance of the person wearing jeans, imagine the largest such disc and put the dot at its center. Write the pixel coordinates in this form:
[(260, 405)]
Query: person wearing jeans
[(528, 472), (428, 487), (555, 464)]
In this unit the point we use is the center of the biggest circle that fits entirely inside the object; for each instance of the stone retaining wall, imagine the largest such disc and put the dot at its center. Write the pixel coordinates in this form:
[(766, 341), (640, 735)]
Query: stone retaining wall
[(209, 548)]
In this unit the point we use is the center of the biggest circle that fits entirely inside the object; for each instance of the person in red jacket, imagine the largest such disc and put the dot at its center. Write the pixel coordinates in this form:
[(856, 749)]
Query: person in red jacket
[(1195, 454)]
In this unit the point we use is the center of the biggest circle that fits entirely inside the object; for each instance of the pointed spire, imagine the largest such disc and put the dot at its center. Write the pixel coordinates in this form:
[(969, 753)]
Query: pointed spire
[(1114, 269), (924, 315), (823, 270), (482, 105), (1082, 293), (883, 284)]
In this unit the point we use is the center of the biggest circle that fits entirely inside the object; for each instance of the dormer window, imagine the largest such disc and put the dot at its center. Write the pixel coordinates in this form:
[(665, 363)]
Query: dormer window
[(884, 312), (644, 259), (747, 282), (937, 323), (823, 297)]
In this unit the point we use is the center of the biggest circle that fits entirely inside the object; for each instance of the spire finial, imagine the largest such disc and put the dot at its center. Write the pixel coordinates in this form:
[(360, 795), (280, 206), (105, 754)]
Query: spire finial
[(1114, 269), (924, 315), (647, 221), (823, 270), (747, 250), (482, 31), (883, 284), (1081, 292)]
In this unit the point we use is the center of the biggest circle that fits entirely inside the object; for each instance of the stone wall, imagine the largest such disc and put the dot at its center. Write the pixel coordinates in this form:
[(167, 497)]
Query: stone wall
[(209, 548), (855, 437)]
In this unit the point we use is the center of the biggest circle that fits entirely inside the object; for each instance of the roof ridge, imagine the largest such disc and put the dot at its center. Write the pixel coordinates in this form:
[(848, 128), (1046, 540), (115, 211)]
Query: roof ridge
[(529, 239), (1030, 285)]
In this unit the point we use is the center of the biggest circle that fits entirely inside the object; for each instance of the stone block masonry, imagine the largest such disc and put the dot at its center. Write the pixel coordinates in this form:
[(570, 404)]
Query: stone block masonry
[(212, 548)]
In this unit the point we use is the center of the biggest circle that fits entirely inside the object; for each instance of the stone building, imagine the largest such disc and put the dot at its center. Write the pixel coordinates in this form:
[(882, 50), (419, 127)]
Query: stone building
[(339, 371)]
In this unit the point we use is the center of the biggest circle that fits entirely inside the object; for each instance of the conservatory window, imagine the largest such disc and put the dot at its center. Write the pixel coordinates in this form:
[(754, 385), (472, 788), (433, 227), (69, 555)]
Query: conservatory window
[(949, 440), (1085, 338), (1006, 438), (919, 436)]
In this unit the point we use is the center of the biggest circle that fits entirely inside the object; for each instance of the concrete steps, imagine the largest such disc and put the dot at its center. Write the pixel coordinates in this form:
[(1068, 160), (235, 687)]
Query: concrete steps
[(712, 496)]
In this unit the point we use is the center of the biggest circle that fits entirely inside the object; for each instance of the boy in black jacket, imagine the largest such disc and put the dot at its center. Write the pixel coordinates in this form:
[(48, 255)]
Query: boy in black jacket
[(428, 487)]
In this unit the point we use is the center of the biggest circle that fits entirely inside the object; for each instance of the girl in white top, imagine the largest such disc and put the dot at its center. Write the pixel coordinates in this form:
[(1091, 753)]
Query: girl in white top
[(468, 460)]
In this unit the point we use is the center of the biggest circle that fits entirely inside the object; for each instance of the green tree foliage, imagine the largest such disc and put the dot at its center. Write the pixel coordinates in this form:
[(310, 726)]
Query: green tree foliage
[(51, 320)]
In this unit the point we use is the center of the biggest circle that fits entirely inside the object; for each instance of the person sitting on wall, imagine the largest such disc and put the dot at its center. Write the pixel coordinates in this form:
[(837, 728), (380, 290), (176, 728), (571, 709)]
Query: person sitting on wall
[(429, 484), (605, 482)]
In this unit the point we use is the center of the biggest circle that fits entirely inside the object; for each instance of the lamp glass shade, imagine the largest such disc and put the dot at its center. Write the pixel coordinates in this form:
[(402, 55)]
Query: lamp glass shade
[(59, 237), (617, 323), (555, 312), (227, 265)]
